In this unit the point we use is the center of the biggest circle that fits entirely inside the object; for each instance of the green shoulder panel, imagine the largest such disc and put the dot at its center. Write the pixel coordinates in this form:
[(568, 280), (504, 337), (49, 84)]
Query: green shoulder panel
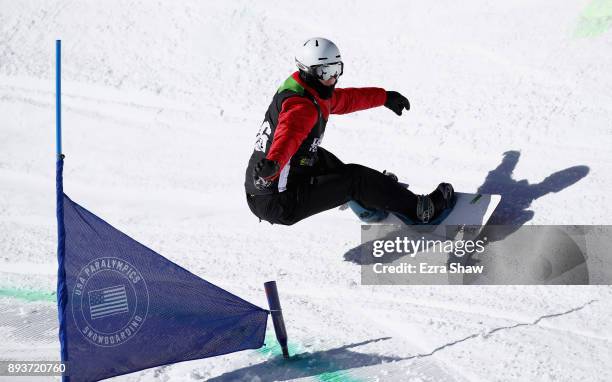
[(292, 85)]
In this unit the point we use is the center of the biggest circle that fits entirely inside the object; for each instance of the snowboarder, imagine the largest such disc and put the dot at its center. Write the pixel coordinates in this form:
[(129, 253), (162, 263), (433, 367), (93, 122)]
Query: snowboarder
[(290, 177)]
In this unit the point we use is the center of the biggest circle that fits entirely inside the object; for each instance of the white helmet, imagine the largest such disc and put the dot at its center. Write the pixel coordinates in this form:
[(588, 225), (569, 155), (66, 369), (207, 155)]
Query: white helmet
[(320, 58)]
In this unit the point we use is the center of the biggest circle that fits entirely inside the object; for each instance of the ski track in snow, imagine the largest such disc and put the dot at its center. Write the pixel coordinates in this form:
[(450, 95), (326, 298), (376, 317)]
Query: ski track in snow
[(161, 104)]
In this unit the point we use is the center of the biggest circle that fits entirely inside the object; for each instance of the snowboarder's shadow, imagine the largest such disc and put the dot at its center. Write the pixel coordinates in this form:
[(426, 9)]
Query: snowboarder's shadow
[(334, 361), (517, 195), (516, 198)]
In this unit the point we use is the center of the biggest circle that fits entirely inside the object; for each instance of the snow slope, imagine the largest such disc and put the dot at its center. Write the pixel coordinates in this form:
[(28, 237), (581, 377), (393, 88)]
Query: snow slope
[(161, 105)]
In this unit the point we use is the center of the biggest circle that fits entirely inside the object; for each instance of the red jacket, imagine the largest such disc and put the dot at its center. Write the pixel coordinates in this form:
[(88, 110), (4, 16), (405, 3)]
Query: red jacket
[(299, 114)]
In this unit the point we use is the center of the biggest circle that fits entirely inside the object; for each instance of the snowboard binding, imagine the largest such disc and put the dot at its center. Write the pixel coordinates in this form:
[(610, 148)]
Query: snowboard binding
[(431, 209), (367, 215)]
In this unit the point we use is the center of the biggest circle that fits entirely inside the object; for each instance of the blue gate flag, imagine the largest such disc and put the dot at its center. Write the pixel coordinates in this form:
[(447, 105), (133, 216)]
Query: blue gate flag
[(123, 307)]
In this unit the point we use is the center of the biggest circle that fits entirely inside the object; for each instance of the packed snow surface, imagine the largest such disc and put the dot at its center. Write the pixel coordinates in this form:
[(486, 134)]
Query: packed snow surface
[(161, 103)]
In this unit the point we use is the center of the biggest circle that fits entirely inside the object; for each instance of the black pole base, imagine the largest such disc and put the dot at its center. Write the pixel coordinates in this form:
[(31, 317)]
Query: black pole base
[(277, 316)]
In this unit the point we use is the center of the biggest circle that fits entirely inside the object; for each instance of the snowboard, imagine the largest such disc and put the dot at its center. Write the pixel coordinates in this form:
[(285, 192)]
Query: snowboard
[(466, 218)]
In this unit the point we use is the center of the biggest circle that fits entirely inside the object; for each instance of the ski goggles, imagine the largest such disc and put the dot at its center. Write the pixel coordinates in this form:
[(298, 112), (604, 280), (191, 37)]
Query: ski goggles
[(326, 71)]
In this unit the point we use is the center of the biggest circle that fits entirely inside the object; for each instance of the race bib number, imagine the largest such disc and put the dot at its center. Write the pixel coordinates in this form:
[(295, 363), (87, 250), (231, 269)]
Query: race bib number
[(261, 140)]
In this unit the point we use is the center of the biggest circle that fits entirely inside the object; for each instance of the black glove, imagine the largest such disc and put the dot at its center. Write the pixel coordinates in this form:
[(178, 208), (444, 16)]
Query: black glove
[(397, 102), (264, 172)]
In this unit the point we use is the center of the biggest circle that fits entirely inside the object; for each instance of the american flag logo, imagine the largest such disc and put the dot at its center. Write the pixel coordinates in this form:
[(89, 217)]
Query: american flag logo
[(108, 301)]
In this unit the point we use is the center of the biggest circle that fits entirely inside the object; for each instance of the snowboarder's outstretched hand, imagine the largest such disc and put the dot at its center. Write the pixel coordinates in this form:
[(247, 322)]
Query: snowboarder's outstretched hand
[(264, 173), (397, 102)]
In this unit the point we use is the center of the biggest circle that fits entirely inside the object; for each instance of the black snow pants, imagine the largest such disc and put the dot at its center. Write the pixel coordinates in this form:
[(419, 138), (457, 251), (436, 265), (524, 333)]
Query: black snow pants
[(330, 184)]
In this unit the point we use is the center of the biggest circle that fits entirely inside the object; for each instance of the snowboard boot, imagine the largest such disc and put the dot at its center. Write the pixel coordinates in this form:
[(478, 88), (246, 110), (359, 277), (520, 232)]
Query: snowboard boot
[(365, 214), (430, 207)]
